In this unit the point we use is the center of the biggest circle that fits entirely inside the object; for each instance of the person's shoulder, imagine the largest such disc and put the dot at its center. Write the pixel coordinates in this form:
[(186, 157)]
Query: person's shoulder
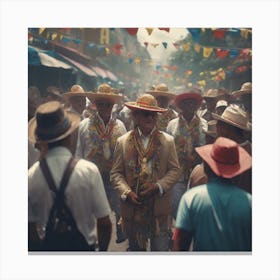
[(33, 169), (86, 165), (165, 136), (124, 137)]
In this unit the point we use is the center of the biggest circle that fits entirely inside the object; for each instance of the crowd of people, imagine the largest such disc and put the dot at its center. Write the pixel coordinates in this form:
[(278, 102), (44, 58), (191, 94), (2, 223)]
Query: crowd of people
[(174, 169)]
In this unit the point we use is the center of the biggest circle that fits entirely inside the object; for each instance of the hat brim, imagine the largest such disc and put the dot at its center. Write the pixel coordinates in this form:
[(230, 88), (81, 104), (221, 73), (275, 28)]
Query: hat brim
[(238, 93), (225, 170), (97, 96), (183, 96), (32, 125), (220, 118), (134, 107), (70, 94), (155, 93)]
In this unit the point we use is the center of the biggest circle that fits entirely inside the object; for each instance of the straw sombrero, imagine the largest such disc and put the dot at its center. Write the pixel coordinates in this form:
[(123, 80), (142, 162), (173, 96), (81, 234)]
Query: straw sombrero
[(235, 116), (76, 90), (52, 123), (161, 90), (146, 102), (104, 91)]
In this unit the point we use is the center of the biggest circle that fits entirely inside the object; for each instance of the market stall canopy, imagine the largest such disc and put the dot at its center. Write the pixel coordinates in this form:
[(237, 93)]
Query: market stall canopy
[(81, 67), (38, 57)]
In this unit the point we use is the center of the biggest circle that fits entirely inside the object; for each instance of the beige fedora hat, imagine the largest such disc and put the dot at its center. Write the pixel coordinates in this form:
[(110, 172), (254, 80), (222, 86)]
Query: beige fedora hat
[(235, 116), (52, 123), (246, 88)]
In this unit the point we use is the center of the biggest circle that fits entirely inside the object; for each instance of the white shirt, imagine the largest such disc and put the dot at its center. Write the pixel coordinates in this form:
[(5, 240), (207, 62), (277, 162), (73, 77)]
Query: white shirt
[(85, 143), (85, 194)]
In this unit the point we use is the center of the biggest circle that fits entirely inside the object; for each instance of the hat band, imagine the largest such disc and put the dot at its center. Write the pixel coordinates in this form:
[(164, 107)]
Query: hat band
[(230, 158), (53, 132), (145, 105)]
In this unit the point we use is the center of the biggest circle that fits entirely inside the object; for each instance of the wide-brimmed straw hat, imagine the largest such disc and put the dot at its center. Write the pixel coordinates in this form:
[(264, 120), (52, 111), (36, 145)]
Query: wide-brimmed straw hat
[(146, 102), (190, 94), (225, 157), (52, 123), (105, 91), (235, 116), (211, 128), (76, 90), (246, 88), (215, 92), (161, 90)]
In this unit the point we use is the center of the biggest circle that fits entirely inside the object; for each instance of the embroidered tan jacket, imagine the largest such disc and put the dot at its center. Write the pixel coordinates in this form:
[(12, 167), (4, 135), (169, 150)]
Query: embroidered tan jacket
[(122, 174)]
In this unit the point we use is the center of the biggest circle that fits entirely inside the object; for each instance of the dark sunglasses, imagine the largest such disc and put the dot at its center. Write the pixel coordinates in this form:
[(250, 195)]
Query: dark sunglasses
[(104, 104), (147, 114)]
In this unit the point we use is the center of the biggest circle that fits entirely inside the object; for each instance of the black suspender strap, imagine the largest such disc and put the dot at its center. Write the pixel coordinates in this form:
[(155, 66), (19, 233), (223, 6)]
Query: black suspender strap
[(64, 181)]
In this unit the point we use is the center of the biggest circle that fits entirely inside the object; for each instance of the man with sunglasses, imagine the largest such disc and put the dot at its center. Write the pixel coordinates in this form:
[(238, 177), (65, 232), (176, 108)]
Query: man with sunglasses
[(144, 170), (97, 137)]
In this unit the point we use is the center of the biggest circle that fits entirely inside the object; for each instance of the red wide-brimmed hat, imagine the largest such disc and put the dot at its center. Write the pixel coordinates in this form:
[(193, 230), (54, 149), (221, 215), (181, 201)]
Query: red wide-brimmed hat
[(225, 157), (145, 102), (190, 94)]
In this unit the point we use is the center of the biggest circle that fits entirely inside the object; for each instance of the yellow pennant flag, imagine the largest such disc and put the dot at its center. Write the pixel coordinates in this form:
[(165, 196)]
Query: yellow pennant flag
[(41, 30), (149, 30), (107, 51), (197, 48), (154, 45), (54, 35), (137, 60), (186, 47), (207, 52), (244, 33), (202, 83)]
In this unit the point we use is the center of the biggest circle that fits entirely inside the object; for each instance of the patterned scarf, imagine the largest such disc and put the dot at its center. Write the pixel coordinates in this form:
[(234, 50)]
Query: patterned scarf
[(138, 157), (103, 140)]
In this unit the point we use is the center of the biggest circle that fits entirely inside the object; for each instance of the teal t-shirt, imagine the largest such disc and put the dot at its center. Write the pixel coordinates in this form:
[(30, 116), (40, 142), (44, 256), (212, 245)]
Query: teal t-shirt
[(218, 215)]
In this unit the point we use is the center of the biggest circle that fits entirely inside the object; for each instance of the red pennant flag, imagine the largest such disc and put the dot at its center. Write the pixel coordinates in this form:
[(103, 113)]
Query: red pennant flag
[(132, 31), (221, 53), (176, 45), (165, 29), (117, 48), (146, 44), (219, 33)]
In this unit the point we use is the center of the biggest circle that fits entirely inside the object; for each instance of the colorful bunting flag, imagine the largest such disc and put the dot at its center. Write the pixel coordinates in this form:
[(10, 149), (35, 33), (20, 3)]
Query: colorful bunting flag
[(207, 52), (165, 29), (164, 44), (149, 30), (132, 31)]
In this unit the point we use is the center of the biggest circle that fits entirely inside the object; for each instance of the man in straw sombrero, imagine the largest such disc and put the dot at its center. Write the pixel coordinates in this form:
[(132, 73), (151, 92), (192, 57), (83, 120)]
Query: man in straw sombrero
[(164, 97), (84, 195), (188, 134), (75, 100), (144, 171), (217, 216), (97, 138)]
